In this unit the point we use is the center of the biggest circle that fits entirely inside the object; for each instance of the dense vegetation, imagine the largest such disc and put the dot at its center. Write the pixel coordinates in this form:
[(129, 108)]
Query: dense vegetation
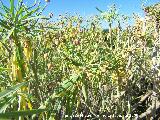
[(72, 66)]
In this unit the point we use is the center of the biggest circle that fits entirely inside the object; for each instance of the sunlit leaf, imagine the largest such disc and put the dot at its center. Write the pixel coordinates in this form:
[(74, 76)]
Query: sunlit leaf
[(12, 89)]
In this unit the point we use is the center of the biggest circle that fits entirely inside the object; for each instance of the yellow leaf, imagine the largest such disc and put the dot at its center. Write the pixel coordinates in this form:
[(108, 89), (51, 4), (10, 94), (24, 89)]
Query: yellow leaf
[(27, 50), (29, 105)]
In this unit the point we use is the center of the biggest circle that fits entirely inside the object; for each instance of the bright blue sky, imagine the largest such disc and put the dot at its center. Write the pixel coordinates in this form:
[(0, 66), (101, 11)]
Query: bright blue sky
[(87, 7)]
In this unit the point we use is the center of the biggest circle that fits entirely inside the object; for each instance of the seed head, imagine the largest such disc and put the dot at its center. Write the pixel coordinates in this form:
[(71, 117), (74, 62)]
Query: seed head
[(77, 42), (50, 15), (50, 66), (45, 55)]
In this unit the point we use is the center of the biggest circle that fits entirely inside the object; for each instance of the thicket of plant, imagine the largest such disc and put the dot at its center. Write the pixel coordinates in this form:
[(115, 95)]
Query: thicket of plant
[(72, 66)]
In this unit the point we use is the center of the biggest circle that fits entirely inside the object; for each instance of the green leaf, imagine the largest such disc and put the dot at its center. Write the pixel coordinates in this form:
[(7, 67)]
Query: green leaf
[(4, 15), (3, 7), (65, 85), (9, 34), (4, 24), (84, 87), (29, 14), (6, 104), (21, 113), (12, 89), (76, 63), (99, 10), (12, 8), (3, 69), (84, 92), (19, 13), (35, 17)]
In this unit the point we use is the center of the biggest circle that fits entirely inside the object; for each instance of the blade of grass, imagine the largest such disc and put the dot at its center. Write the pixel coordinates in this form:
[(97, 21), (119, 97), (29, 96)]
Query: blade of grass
[(29, 14), (12, 8), (12, 89), (3, 7), (21, 113), (3, 69), (4, 107), (4, 24)]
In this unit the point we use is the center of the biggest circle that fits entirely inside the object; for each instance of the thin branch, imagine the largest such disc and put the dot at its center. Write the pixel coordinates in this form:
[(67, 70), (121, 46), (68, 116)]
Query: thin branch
[(143, 98), (149, 111)]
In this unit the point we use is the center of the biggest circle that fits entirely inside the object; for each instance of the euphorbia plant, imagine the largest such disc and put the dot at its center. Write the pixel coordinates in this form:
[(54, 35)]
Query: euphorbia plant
[(15, 20)]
